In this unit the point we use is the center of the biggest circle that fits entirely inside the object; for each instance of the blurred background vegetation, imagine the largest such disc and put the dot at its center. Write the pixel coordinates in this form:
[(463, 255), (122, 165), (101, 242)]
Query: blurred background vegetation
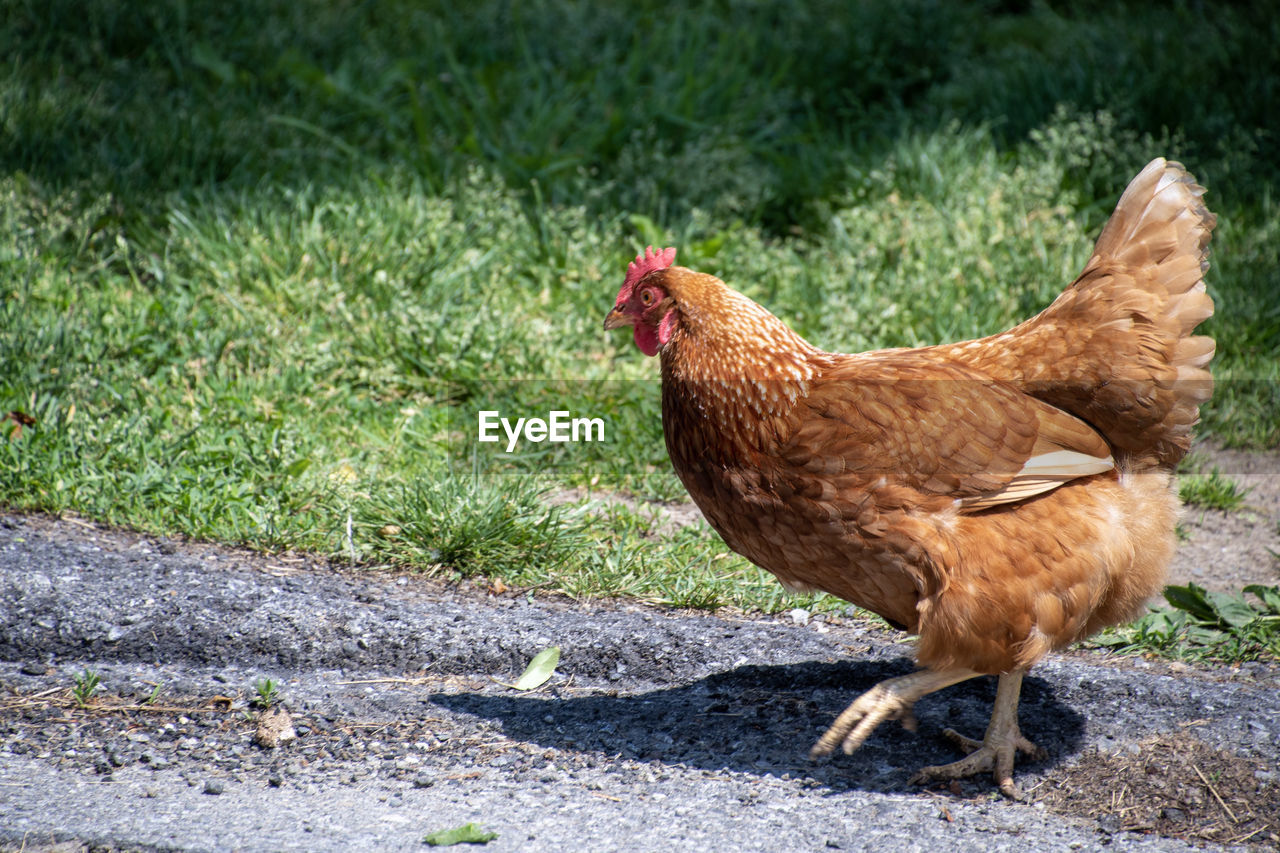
[(256, 254)]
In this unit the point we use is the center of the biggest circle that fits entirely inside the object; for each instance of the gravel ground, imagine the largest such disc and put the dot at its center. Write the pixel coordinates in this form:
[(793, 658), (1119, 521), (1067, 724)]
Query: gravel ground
[(659, 729)]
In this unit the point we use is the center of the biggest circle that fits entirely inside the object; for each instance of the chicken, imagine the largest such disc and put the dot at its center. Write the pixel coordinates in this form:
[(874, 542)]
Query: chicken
[(1000, 498)]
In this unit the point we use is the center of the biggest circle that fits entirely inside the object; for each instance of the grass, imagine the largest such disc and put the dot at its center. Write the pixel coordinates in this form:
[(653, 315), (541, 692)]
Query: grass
[(264, 262), (1214, 490)]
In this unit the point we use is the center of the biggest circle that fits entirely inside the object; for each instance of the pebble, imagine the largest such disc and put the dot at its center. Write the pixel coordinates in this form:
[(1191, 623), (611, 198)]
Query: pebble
[(214, 787)]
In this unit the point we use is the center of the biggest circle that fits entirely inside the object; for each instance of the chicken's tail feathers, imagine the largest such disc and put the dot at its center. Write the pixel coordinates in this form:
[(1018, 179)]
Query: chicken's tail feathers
[(1147, 279), (1160, 230), (1161, 219), (1116, 348)]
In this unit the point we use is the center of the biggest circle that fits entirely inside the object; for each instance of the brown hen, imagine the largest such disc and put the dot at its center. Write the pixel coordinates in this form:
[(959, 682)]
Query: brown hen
[(1000, 498)]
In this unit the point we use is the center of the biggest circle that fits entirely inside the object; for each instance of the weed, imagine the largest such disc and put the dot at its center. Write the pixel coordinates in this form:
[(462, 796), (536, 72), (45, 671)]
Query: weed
[(86, 685), (1200, 623), (268, 690)]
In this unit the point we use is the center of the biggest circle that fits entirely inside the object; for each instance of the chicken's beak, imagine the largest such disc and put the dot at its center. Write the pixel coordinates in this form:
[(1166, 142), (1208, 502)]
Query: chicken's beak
[(616, 319)]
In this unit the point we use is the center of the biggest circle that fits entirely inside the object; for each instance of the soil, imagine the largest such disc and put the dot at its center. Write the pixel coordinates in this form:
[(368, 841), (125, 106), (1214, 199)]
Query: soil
[(1170, 784), (1226, 551), (660, 728)]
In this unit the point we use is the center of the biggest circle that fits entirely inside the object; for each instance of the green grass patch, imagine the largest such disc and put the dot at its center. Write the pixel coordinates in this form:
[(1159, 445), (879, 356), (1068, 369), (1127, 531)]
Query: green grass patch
[(262, 262), (1214, 490)]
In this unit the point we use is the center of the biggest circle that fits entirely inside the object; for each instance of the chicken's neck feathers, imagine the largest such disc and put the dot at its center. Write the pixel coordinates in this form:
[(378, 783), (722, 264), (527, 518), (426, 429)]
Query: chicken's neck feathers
[(737, 363)]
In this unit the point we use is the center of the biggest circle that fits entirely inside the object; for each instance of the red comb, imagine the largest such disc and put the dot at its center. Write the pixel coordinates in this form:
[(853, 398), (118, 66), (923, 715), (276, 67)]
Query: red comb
[(645, 264)]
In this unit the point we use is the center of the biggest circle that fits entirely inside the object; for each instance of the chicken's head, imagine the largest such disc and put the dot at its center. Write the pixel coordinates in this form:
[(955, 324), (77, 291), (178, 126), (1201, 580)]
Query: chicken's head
[(643, 301)]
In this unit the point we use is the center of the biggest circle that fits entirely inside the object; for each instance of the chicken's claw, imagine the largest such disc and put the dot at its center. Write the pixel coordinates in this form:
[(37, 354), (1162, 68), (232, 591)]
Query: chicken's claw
[(892, 699), (996, 751), (856, 722), (995, 754)]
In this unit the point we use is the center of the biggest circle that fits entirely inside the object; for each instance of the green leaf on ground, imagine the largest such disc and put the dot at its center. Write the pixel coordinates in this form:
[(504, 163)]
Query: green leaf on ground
[(468, 833), (538, 671), (1269, 595)]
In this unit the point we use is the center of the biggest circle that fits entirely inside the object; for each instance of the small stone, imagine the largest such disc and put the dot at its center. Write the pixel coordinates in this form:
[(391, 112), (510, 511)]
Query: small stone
[(1109, 823), (275, 780), (1170, 813), (422, 780), (214, 787), (155, 762), (274, 728), (32, 668)]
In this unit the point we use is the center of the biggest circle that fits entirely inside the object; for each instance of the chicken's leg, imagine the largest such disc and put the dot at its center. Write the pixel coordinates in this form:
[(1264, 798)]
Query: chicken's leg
[(891, 699), (996, 750)]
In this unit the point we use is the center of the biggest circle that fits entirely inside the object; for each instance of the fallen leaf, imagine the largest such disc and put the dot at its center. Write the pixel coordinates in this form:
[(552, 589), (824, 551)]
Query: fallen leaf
[(20, 420), (468, 833), (538, 671)]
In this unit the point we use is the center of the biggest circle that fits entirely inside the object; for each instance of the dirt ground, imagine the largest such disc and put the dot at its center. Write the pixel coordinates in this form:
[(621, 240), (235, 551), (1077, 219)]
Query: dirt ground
[(1171, 785), (1225, 551)]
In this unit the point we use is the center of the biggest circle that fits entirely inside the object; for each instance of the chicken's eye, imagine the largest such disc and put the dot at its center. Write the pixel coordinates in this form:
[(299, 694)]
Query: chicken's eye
[(646, 296)]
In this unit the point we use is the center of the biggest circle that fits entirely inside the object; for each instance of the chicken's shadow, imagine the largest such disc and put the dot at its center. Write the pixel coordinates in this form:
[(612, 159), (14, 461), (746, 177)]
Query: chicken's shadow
[(763, 720)]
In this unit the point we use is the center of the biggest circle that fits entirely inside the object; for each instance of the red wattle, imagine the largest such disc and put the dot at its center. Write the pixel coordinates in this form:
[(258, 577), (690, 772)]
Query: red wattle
[(647, 339)]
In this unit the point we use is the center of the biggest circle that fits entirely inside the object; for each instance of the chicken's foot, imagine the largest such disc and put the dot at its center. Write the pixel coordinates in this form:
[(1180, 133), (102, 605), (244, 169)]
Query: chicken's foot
[(996, 751), (891, 699)]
